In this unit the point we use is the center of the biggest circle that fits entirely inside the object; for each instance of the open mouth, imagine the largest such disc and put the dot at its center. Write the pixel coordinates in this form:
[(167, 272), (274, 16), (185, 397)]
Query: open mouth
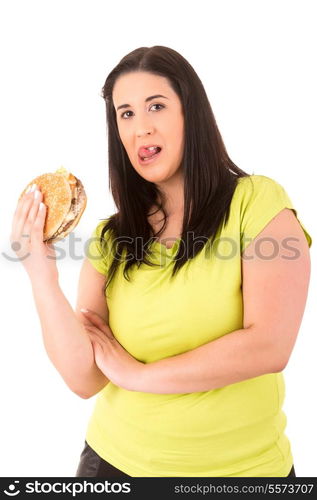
[(153, 152)]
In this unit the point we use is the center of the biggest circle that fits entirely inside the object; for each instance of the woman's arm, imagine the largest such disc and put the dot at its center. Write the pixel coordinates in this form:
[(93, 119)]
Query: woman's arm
[(237, 356), (66, 341), (274, 297)]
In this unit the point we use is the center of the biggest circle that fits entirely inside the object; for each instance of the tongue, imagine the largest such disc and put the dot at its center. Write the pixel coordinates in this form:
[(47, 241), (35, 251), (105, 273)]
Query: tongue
[(145, 153)]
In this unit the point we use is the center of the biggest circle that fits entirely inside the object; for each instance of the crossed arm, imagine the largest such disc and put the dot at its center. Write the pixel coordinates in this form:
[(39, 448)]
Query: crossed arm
[(234, 357), (274, 297)]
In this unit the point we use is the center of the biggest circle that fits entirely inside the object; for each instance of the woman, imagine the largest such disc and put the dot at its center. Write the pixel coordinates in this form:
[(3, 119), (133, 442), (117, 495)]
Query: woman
[(182, 328)]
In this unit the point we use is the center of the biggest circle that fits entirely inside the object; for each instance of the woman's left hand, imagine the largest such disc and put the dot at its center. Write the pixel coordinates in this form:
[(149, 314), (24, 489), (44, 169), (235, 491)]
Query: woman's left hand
[(112, 359)]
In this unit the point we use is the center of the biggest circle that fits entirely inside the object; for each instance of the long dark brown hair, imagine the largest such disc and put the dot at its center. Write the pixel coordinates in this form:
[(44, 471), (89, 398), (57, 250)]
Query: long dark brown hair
[(210, 176)]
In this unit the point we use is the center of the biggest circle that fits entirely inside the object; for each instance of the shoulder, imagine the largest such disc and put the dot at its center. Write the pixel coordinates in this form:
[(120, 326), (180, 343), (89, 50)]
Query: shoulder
[(100, 239), (256, 182), (98, 229), (260, 193), (97, 249), (262, 200)]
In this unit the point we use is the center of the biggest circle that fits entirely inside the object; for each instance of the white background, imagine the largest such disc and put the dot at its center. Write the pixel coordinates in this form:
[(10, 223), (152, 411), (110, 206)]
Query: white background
[(256, 60)]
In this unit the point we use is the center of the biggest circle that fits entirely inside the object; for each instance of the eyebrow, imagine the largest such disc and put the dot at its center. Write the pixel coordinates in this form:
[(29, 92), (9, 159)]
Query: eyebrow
[(146, 100)]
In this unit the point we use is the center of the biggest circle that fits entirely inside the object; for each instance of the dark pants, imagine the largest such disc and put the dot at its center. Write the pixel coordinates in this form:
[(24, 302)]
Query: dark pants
[(92, 465)]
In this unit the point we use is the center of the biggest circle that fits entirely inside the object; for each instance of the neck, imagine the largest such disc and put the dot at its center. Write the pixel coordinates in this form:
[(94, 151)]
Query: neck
[(173, 195)]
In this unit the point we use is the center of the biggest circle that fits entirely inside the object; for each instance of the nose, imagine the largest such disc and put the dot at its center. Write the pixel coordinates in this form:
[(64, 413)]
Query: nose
[(144, 127), (144, 131)]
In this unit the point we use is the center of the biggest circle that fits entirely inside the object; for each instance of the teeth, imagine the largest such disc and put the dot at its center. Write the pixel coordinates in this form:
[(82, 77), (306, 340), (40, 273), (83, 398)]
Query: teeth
[(151, 148)]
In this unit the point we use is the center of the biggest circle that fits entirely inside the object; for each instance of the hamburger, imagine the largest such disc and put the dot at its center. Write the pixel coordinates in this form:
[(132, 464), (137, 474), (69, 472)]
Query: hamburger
[(65, 200)]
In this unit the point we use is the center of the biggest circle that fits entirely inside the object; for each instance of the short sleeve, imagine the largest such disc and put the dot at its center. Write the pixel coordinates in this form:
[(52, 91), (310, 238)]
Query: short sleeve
[(99, 254), (262, 198)]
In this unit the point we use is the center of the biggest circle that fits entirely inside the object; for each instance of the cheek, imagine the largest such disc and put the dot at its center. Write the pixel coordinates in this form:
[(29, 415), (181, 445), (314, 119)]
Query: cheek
[(176, 142), (125, 141), (175, 133), (123, 132)]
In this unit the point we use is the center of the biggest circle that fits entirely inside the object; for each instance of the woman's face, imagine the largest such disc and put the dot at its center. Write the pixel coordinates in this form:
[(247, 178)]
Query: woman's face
[(158, 121)]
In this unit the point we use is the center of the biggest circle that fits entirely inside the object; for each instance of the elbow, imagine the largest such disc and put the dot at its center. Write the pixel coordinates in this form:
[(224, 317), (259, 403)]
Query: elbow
[(83, 396), (279, 363), (79, 392), (281, 356), (274, 356), (280, 366)]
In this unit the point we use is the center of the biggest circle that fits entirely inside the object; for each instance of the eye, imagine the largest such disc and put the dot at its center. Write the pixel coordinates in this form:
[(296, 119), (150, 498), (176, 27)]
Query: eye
[(125, 118), (162, 106), (122, 114)]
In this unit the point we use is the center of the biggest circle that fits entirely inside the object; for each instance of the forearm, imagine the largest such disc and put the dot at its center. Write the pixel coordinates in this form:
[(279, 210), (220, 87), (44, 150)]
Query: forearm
[(237, 356), (66, 342)]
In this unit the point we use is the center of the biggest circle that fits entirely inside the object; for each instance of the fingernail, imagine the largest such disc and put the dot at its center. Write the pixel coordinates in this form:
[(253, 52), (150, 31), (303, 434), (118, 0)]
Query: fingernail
[(33, 187), (84, 310), (28, 190), (36, 194)]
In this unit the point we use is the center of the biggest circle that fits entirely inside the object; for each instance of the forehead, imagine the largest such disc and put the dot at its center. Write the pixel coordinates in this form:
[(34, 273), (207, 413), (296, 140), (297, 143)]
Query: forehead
[(139, 85)]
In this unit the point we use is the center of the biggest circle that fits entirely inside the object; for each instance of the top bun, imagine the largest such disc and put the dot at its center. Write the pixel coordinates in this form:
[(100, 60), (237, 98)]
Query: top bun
[(65, 200)]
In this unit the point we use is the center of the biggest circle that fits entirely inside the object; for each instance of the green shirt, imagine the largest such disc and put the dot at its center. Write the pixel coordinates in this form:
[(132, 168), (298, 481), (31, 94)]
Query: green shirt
[(235, 430)]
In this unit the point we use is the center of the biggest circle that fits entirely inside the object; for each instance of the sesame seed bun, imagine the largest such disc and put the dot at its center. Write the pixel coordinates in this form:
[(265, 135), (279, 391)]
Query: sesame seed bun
[(65, 200)]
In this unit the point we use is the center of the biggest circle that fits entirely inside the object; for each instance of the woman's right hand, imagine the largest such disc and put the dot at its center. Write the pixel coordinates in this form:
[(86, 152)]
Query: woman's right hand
[(37, 257)]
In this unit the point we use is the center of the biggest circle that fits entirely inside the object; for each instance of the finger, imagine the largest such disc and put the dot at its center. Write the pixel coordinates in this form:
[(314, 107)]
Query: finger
[(95, 331), (38, 226), (101, 334), (93, 337), (95, 346), (96, 320), (21, 214), (33, 212), (96, 343), (24, 197), (87, 322), (18, 208)]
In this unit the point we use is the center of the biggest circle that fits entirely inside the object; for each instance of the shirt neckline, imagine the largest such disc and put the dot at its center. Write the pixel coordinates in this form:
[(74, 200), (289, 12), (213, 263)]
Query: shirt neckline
[(161, 246)]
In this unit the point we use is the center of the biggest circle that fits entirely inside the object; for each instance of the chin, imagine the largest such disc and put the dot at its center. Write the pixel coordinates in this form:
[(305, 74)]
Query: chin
[(157, 176)]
